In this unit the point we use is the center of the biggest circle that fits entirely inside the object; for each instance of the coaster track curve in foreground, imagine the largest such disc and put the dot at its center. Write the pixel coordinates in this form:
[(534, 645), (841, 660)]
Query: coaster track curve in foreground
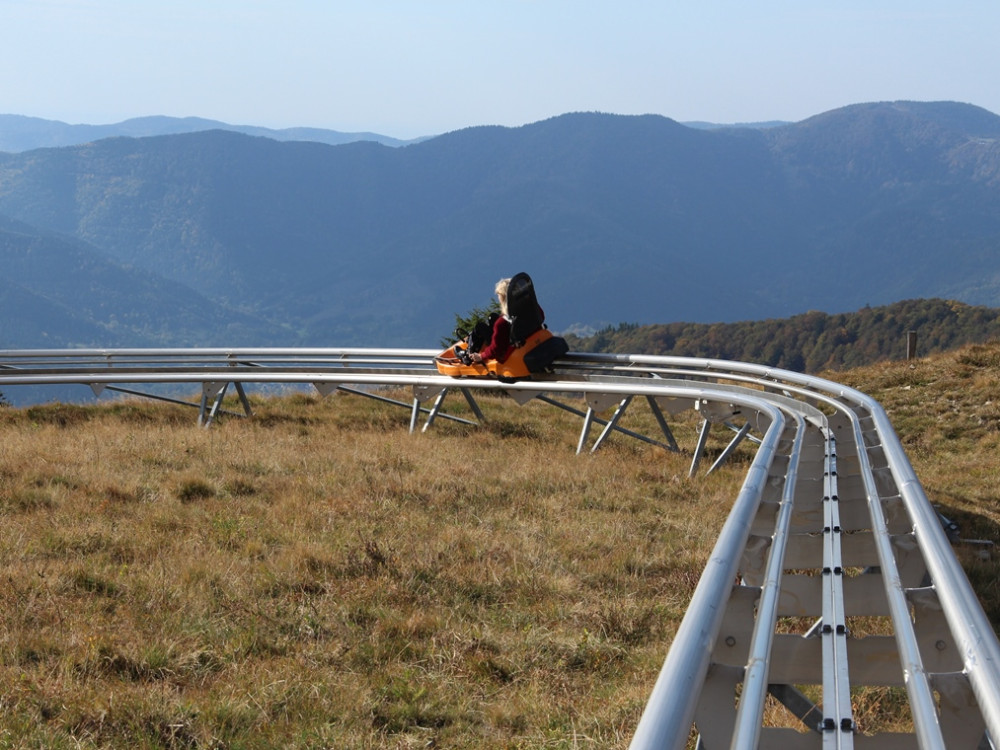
[(830, 524)]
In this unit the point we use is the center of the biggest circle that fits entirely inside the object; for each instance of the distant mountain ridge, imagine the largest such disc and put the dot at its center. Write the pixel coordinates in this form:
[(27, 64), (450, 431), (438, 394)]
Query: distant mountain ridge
[(618, 218), (21, 133), (24, 133)]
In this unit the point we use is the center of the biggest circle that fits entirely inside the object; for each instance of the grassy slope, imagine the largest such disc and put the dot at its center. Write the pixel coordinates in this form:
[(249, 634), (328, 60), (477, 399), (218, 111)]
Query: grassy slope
[(316, 577)]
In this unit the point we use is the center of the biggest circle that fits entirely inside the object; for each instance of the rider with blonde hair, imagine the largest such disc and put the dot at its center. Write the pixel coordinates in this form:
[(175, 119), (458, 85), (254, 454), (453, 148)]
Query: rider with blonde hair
[(499, 346)]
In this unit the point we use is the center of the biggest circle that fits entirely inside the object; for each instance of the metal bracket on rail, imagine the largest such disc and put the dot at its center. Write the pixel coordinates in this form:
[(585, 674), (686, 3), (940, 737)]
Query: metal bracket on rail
[(325, 389), (613, 424), (439, 392), (424, 393), (217, 390), (600, 401), (716, 412), (741, 434)]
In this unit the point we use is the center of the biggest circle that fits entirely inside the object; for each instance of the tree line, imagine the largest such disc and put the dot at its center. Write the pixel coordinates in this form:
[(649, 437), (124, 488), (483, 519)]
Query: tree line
[(810, 342)]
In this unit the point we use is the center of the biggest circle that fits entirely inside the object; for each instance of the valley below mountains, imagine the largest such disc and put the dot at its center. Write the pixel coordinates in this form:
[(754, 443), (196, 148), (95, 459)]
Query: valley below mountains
[(220, 238)]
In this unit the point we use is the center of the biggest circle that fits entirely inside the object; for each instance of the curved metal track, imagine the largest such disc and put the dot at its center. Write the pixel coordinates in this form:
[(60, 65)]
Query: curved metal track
[(830, 525)]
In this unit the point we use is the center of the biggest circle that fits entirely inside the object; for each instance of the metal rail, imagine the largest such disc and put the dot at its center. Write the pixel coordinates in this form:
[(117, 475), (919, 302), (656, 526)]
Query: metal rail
[(830, 525)]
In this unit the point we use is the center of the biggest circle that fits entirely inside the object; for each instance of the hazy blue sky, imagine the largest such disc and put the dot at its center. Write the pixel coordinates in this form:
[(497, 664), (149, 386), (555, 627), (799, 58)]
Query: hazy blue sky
[(415, 67)]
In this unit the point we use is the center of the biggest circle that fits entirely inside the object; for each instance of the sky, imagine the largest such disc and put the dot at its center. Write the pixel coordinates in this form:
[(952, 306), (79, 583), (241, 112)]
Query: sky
[(408, 68)]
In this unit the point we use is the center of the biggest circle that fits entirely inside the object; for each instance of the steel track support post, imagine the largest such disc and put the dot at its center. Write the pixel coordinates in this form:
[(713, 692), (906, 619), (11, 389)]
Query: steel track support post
[(612, 423), (473, 405), (587, 421), (234, 362), (209, 390), (423, 393), (733, 444), (662, 421), (706, 426), (414, 414), (243, 399), (434, 409), (216, 405)]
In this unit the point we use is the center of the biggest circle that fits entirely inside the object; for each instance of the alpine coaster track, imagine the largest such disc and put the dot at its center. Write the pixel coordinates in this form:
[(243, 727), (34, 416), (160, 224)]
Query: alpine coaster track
[(830, 524)]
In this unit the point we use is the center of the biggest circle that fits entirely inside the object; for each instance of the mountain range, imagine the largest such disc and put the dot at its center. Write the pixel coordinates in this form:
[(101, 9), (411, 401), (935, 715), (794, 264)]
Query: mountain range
[(216, 237), (21, 133)]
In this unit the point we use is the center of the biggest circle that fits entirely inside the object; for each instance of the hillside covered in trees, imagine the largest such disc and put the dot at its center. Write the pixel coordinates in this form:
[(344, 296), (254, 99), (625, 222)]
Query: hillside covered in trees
[(217, 238), (813, 341)]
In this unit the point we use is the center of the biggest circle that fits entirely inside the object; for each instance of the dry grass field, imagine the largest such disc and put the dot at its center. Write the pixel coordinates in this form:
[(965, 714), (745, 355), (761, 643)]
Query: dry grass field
[(316, 577)]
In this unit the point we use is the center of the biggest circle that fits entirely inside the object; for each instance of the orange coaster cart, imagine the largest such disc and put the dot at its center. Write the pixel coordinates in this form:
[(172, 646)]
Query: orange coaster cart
[(540, 349)]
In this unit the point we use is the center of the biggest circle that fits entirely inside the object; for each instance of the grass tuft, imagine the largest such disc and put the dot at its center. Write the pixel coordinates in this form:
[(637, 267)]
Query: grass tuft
[(192, 490)]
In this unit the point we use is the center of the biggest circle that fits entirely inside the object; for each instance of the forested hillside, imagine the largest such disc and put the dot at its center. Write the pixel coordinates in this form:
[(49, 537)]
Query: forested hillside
[(616, 218), (811, 342)]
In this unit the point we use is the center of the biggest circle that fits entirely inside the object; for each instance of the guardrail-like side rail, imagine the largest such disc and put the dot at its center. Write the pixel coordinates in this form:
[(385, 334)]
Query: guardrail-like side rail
[(830, 525)]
